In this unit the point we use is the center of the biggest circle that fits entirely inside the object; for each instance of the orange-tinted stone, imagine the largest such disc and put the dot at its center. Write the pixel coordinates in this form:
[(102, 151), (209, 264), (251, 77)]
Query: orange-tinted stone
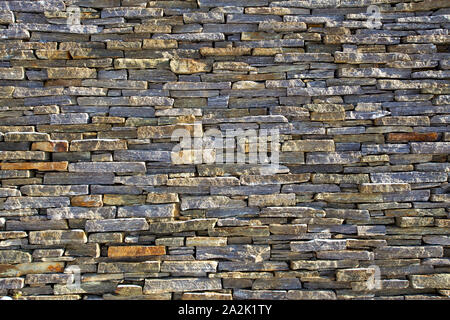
[(87, 201), (63, 83), (135, 251), (206, 296), (51, 146), (40, 166), (413, 136)]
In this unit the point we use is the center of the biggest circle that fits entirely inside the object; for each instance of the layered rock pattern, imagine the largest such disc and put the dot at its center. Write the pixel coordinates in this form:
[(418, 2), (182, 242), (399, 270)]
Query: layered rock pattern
[(94, 205)]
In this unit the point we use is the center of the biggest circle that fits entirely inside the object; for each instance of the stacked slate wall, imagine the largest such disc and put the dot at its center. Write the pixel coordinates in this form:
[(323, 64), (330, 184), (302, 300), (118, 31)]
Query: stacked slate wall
[(95, 202)]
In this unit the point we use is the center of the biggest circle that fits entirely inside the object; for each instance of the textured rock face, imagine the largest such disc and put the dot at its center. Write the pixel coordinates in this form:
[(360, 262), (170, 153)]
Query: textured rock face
[(98, 176)]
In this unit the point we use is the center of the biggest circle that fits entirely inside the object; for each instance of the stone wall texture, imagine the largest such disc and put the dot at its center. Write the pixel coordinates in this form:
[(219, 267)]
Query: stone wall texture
[(95, 202)]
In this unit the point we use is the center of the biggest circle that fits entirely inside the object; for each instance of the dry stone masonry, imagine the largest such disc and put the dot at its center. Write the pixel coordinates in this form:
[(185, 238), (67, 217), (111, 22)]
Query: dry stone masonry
[(98, 200)]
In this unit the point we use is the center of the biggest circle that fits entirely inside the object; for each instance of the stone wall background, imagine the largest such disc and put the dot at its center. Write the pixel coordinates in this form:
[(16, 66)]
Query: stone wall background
[(92, 206)]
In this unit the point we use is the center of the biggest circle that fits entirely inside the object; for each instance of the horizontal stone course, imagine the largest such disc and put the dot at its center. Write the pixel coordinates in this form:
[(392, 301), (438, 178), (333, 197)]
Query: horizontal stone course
[(224, 149)]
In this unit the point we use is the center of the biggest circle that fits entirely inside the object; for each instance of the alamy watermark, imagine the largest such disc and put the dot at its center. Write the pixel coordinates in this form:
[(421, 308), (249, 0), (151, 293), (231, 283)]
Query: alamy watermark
[(237, 146)]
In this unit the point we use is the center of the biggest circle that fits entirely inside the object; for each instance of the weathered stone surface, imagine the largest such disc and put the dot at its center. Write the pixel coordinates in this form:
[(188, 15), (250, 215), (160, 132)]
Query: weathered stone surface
[(255, 253), (206, 296), (196, 182), (129, 267), (408, 177), (345, 254), (224, 52), (11, 283), (57, 237), (123, 199), (113, 237), (383, 187), (209, 202), (189, 267), (34, 223), (318, 245), (439, 280), (97, 144), (309, 145), (78, 178), (330, 91), (349, 197), (340, 178), (356, 274), (14, 256), (159, 44), (272, 200), (26, 136), (188, 66), (323, 264), (14, 73), (107, 225), (181, 226), (430, 147), (22, 155), (407, 222), (17, 270), (39, 166), (48, 278), (139, 63), (87, 201), (311, 295), (333, 157), (206, 241), (135, 251), (6, 192), (81, 213), (148, 211), (119, 167), (51, 146), (141, 155), (287, 229), (408, 252), (297, 212), (413, 136), (36, 202), (85, 288), (256, 231), (253, 180), (71, 73), (142, 180), (157, 132)]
